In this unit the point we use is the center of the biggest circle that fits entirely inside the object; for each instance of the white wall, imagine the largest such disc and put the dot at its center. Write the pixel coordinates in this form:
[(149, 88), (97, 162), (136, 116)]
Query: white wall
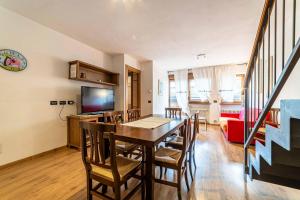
[(118, 66), (132, 62), (29, 125), (146, 88), (160, 102), (291, 88), (119, 62)]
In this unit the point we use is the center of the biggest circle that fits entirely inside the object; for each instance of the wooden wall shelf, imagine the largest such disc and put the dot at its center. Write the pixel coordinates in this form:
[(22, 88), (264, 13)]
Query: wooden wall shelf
[(82, 71)]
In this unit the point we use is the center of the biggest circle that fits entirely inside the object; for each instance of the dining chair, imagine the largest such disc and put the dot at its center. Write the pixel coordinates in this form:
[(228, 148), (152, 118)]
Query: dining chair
[(134, 114), (124, 148), (175, 159), (201, 118), (173, 112), (177, 143), (115, 117), (107, 169)]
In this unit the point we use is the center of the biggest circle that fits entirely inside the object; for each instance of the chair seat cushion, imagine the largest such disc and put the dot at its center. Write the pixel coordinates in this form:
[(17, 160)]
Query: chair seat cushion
[(168, 155), (124, 166), (125, 146)]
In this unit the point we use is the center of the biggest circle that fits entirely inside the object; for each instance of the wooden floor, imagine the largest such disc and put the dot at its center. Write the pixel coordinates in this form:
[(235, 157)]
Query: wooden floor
[(219, 176)]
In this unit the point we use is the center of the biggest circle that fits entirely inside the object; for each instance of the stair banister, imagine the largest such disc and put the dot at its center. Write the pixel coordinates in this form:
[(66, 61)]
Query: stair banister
[(258, 116), (259, 34), (291, 63)]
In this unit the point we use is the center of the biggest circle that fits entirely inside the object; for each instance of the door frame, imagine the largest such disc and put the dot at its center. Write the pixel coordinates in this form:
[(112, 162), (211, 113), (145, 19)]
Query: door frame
[(128, 69)]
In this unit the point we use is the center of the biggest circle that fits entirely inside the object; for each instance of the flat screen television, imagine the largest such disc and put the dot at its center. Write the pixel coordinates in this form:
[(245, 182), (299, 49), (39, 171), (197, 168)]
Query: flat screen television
[(95, 100)]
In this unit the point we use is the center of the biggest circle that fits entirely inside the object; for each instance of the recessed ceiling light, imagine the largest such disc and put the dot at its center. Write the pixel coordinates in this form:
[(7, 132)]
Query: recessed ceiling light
[(133, 37)]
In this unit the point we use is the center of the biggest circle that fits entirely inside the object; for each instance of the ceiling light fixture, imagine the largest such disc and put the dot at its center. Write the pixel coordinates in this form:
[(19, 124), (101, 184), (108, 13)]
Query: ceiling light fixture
[(201, 56)]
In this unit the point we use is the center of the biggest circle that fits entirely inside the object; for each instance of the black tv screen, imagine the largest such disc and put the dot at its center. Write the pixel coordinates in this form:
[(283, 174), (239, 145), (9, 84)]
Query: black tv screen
[(96, 99)]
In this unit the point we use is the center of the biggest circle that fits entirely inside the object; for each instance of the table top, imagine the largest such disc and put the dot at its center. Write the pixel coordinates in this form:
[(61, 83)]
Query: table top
[(147, 137)]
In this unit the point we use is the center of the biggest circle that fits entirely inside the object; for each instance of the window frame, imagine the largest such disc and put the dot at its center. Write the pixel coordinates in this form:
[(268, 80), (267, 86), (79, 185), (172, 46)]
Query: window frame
[(191, 77), (242, 93)]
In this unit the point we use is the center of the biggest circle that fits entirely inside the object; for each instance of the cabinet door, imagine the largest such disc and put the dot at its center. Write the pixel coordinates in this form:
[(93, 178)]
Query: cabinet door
[(74, 133)]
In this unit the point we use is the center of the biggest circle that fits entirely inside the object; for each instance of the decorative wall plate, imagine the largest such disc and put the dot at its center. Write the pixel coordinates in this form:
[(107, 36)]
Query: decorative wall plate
[(12, 60)]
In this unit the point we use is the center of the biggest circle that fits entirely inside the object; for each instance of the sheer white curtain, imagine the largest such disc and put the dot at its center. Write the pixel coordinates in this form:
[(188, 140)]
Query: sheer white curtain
[(181, 85), (226, 77), (203, 78), (226, 81)]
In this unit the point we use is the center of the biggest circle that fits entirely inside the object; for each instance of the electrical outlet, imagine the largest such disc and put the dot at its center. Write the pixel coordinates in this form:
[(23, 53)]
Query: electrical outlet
[(53, 103), (71, 102), (62, 102)]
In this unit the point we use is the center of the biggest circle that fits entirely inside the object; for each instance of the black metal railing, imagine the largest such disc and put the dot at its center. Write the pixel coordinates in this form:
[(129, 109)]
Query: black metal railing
[(267, 69)]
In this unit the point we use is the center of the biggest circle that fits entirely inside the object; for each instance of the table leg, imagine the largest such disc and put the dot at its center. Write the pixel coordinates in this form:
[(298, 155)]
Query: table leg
[(150, 173)]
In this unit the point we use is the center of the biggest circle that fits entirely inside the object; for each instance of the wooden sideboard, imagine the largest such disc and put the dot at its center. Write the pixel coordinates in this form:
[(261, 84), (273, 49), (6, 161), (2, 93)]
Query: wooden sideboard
[(74, 131)]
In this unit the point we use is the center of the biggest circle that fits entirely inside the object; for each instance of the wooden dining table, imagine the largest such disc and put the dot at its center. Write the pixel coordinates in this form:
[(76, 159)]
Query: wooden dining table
[(148, 138)]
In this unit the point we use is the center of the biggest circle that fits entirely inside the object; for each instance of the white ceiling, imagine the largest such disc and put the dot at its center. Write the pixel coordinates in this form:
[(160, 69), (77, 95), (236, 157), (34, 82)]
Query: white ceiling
[(171, 32)]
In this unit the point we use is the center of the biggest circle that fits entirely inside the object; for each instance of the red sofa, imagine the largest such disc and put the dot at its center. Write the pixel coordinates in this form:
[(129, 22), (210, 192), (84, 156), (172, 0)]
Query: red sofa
[(232, 125)]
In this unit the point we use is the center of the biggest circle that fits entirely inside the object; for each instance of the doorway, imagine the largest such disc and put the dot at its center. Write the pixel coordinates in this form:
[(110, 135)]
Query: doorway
[(133, 87)]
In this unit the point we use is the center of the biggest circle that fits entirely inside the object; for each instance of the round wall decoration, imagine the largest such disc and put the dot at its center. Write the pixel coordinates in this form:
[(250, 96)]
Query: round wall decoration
[(12, 60)]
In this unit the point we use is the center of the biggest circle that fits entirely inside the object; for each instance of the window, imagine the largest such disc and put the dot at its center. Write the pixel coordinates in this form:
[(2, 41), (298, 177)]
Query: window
[(230, 88), (198, 93), (234, 94), (172, 94)]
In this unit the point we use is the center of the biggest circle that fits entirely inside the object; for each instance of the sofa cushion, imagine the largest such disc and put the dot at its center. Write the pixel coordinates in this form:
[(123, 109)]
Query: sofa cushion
[(223, 122)]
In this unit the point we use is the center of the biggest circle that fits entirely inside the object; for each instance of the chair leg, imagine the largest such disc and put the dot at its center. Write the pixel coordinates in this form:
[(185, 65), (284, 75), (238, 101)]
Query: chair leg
[(89, 188), (143, 173), (190, 165), (143, 180), (117, 191), (179, 184), (186, 180), (125, 154), (160, 172), (195, 165)]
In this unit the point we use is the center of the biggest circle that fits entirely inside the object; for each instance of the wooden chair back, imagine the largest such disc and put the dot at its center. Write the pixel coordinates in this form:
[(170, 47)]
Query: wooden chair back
[(273, 117), (184, 132), (173, 112), (134, 114), (195, 130), (94, 151), (114, 117)]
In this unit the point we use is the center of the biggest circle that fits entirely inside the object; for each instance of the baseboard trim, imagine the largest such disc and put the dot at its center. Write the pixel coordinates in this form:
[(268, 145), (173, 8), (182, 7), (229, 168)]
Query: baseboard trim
[(32, 157)]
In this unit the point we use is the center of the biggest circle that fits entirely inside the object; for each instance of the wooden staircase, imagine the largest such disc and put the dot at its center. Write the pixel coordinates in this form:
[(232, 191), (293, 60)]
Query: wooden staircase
[(277, 158), (278, 161)]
